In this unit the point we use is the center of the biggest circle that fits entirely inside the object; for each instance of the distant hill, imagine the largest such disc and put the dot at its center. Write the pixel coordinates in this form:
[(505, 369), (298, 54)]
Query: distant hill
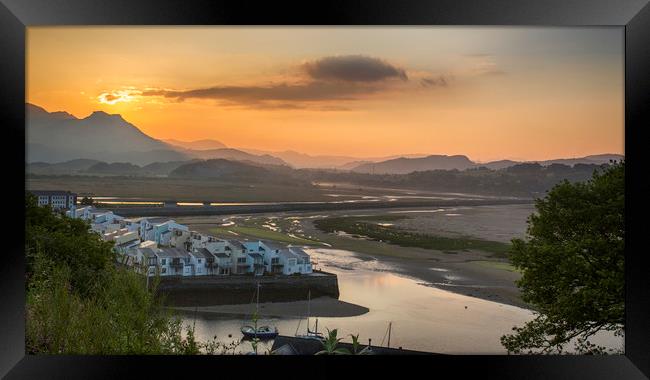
[(197, 145), (236, 155), (162, 168), (302, 160), (67, 167), (238, 172), (115, 168), (496, 165), (596, 159), (59, 136), (409, 165), (405, 165), (354, 164)]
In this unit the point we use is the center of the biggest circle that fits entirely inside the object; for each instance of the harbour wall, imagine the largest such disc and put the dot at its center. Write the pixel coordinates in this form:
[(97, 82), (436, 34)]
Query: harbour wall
[(231, 290)]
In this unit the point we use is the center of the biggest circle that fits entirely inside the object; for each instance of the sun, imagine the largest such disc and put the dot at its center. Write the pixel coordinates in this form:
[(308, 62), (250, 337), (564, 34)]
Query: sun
[(116, 96)]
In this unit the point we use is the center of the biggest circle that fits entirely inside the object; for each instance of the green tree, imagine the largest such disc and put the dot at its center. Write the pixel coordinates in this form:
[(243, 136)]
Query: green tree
[(330, 345), (573, 265), (87, 201), (79, 302)]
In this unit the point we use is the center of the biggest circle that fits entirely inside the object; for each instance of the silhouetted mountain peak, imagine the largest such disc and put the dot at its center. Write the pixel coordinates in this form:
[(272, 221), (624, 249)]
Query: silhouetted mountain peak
[(101, 116)]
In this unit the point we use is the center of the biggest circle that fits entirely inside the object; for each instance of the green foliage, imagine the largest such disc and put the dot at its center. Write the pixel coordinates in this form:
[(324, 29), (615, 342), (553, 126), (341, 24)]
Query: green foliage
[(79, 302), (123, 318), (573, 265), (356, 346), (87, 201), (67, 242), (255, 341), (361, 226), (330, 345)]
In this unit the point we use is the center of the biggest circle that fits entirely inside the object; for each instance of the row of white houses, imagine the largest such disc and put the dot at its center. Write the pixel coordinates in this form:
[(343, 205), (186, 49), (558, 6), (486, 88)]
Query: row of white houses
[(160, 245)]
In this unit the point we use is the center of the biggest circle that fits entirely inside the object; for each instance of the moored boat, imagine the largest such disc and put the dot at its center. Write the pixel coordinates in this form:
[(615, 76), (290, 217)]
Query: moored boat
[(262, 332), (258, 332)]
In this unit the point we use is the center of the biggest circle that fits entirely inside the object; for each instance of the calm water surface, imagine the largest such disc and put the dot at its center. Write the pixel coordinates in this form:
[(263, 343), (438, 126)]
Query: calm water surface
[(423, 318)]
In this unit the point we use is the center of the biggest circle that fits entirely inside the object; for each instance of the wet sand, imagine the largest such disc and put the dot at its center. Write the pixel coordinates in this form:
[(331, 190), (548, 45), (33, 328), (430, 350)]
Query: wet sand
[(322, 306), (468, 273)]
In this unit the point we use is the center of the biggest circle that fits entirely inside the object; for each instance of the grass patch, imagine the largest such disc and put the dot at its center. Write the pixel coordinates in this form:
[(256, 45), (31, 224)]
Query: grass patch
[(262, 233), (403, 238)]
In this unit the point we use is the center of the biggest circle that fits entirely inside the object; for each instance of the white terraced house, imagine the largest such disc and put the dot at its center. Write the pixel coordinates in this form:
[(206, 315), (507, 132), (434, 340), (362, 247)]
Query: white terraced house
[(80, 212), (181, 239), (212, 243), (160, 245), (224, 263), (270, 254), (239, 256), (174, 262), (58, 200), (303, 262), (295, 260)]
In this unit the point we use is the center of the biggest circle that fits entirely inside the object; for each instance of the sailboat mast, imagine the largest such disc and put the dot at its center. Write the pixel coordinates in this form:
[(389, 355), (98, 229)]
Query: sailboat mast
[(390, 325), (308, 308)]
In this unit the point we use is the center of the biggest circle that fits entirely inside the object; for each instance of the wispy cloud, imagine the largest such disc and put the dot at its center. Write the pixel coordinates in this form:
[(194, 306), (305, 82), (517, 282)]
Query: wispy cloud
[(439, 81), (300, 92), (316, 85)]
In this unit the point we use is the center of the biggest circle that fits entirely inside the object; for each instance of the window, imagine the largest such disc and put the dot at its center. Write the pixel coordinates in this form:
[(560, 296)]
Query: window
[(275, 260), (164, 270), (199, 261), (163, 261), (241, 260)]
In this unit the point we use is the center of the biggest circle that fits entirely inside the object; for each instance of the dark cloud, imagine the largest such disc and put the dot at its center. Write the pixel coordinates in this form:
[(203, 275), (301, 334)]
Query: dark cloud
[(307, 92), (353, 68), (340, 78), (439, 81)]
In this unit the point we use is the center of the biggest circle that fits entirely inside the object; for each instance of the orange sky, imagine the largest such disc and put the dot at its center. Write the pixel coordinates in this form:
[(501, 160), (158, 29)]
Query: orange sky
[(488, 93)]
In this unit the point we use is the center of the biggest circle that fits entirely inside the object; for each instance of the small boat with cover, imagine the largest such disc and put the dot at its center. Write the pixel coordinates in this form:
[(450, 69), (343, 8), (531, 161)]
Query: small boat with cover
[(259, 332)]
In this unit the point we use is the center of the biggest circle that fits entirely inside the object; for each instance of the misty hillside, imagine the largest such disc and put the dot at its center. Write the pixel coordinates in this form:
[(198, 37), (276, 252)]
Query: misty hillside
[(408, 165), (59, 136), (300, 160), (197, 144), (440, 162), (67, 167), (236, 171), (116, 168), (162, 168), (236, 155), (525, 179)]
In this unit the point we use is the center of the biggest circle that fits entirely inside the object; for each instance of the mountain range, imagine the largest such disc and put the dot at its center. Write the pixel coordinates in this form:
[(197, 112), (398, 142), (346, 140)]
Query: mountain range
[(58, 142), (55, 137)]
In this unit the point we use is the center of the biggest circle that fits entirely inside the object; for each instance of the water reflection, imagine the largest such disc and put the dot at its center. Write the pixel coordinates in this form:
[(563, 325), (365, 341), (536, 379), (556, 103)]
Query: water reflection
[(424, 318)]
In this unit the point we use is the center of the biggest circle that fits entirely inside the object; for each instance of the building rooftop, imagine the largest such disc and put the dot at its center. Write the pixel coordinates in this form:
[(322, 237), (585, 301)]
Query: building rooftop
[(273, 245), (52, 192), (203, 253), (236, 244), (147, 252), (255, 255), (172, 252), (128, 244), (299, 252)]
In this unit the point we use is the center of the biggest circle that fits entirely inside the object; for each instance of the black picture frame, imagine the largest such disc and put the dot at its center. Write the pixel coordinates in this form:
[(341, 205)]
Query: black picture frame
[(633, 15)]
